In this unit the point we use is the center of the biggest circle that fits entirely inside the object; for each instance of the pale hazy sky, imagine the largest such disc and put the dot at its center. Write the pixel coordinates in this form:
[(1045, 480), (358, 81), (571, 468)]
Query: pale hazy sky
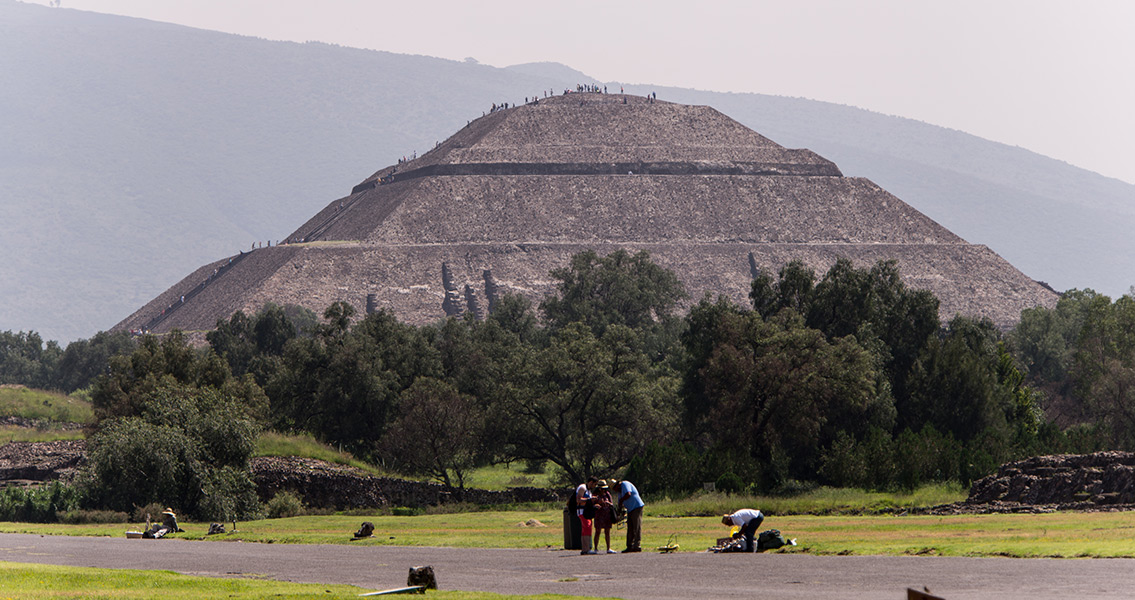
[(1056, 77)]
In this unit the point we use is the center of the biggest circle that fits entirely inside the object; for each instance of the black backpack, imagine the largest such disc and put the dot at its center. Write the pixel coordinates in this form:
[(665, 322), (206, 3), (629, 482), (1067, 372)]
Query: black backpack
[(770, 539)]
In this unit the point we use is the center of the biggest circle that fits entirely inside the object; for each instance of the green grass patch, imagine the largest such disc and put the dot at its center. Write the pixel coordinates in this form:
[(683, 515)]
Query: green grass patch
[(271, 443), (1061, 534), (19, 401), (49, 581), (821, 501), (12, 433), (504, 476)]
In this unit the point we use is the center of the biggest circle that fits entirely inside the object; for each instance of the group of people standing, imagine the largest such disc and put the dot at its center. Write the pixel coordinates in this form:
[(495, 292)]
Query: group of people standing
[(597, 504)]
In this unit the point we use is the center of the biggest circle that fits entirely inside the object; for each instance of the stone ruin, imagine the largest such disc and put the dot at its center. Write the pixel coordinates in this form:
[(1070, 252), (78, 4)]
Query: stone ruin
[(1102, 481), (514, 194), (36, 462)]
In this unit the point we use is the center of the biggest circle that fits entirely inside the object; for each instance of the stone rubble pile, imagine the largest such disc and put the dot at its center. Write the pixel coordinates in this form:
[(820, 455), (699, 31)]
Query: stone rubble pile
[(1103, 481), (31, 462)]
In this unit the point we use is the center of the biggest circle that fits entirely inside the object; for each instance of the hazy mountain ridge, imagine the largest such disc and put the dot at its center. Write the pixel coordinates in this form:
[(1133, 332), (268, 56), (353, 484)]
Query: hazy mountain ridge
[(132, 152)]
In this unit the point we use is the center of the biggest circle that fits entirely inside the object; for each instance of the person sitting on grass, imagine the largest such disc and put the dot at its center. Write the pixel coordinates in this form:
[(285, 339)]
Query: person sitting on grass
[(748, 519)]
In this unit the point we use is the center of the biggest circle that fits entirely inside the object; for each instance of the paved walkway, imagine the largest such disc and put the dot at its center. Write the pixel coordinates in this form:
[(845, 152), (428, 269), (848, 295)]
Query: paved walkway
[(645, 576)]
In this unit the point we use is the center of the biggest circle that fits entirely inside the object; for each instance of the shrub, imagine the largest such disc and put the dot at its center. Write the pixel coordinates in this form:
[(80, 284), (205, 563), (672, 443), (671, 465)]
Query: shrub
[(284, 504), (38, 504), (730, 483), (189, 449), (672, 469), (134, 462), (80, 517), (153, 510), (229, 495)]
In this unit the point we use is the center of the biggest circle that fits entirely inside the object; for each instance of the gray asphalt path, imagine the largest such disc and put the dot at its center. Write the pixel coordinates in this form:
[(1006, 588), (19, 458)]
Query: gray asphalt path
[(645, 576)]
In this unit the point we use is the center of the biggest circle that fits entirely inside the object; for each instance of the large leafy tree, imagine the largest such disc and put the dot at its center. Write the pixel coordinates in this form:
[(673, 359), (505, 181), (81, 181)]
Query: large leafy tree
[(133, 378), (875, 306), (781, 391), (1045, 342), (84, 360), (588, 404), (26, 360), (872, 304), (437, 432), (342, 383), (1104, 370), (967, 384), (617, 289), (793, 289), (255, 344)]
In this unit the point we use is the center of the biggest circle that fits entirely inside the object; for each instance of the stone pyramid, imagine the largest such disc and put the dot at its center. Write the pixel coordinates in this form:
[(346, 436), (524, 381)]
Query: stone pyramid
[(517, 192)]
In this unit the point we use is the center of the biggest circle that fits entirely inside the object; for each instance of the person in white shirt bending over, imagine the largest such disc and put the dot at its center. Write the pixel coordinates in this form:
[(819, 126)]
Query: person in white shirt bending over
[(748, 519)]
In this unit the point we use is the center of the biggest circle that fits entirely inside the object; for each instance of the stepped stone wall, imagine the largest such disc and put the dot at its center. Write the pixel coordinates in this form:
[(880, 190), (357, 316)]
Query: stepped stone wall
[(633, 208), (408, 279)]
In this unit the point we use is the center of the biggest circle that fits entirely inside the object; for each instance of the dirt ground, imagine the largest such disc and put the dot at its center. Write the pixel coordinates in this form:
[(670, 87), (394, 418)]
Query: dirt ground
[(645, 576)]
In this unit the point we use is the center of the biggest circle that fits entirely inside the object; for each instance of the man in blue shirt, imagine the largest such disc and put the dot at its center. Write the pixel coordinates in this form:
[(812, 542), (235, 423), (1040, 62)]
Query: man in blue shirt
[(629, 499)]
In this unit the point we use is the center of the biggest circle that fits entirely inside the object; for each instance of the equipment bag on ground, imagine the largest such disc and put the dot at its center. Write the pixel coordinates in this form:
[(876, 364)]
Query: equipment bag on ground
[(770, 539)]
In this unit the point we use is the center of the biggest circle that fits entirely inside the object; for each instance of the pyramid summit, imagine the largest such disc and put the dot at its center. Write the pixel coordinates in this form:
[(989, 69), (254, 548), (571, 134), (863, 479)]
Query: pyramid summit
[(515, 193)]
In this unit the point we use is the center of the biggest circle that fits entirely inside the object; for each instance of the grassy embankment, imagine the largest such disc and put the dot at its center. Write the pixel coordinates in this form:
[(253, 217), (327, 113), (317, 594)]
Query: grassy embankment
[(271, 443), (51, 582), (48, 408)]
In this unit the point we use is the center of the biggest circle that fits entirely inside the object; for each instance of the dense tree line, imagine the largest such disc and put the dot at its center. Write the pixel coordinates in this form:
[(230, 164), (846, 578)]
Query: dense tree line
[(848, 378)]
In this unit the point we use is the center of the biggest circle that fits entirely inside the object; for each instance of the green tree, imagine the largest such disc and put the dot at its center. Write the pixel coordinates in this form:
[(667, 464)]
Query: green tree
[(1104, 370), (84, 360), (874, 305), (699, 339), (255, 344), (617, 289), (514, 313), (26, 360), (437, 432), (342, 383), (1045, 341), (781, 391), (588, 404), (187, 447), (132, 379), (954, 385)]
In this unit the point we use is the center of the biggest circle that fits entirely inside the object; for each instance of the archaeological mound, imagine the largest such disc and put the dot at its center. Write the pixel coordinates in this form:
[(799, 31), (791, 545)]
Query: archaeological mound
[(514, 194)]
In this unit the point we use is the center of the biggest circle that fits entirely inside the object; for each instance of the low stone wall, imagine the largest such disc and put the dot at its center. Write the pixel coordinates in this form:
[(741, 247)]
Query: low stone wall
[(325, 485)]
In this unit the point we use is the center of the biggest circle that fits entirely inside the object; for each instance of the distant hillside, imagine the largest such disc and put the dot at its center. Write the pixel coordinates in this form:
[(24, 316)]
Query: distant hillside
[(132, 152)]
